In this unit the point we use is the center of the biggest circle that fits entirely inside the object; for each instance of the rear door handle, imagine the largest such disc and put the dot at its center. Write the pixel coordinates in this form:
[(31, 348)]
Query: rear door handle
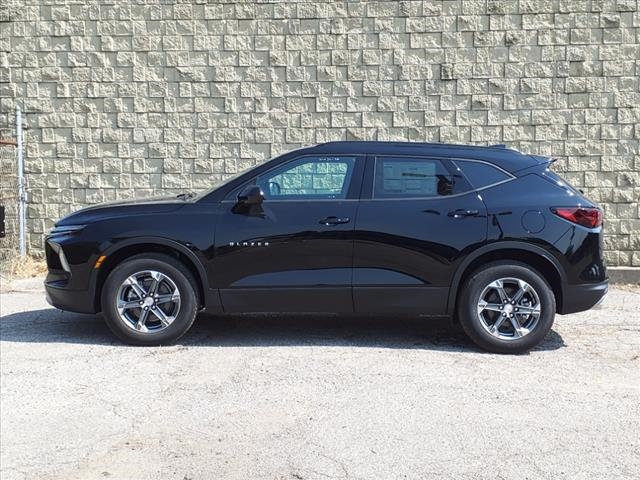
[(461, 213), (334, 220)]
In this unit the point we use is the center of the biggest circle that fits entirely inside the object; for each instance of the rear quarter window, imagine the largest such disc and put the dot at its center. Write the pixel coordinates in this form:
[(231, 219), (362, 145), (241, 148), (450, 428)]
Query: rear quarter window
[(481, 174), (557, 180)]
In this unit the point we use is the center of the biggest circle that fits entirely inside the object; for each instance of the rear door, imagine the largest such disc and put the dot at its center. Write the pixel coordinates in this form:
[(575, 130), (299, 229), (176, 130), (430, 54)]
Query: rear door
[(417, 220)]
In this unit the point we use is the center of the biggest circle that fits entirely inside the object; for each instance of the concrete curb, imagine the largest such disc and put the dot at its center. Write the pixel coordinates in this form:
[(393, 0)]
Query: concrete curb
[(34, 284), (624, 274)]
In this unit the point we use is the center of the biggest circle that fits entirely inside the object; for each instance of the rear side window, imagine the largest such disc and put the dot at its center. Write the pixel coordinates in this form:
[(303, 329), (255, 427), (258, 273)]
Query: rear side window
[(406, 177), (481, 174)]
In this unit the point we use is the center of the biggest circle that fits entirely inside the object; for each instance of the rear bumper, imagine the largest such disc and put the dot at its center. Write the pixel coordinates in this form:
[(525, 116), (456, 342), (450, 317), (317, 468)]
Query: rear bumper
[(578, 298), (59, 296)]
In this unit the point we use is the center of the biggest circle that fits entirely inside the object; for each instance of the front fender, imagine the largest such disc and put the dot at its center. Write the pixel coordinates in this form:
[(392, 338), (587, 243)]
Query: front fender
[(210, 297)]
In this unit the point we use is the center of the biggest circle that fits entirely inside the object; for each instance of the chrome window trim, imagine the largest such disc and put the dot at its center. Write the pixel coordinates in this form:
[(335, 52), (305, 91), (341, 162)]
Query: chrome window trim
[(438, 197), (356, 157), (271, 200), (509, 174)]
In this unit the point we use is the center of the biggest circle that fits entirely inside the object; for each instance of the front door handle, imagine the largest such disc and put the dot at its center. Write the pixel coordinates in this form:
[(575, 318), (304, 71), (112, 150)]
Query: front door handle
[(461, 213), (334, 220)]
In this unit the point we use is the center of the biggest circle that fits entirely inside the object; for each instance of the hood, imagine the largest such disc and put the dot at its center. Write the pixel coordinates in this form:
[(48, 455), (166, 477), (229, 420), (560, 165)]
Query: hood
[(120, 208)]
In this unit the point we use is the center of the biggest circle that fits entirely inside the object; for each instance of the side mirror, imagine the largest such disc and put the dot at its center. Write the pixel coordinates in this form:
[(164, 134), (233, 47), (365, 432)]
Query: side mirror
[(251, 195)]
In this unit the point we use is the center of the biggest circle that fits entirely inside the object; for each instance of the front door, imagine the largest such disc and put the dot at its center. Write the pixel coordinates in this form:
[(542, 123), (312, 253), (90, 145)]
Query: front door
[(294, 250), (417, 219)]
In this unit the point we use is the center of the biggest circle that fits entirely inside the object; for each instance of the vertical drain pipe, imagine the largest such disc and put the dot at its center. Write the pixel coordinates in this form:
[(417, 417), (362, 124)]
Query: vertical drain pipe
[(22, 193)]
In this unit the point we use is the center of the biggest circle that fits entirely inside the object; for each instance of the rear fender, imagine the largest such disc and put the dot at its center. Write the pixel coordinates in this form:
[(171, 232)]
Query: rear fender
[(495, 247)]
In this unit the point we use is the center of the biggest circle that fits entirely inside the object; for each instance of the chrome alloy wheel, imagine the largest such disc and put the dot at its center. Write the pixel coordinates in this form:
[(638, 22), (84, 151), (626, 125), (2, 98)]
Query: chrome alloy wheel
[(509, 308), (148, 301)]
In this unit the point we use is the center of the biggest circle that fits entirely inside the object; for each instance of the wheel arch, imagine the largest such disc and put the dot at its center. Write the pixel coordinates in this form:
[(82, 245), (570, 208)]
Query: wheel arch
[(532, 255), (126, 249)]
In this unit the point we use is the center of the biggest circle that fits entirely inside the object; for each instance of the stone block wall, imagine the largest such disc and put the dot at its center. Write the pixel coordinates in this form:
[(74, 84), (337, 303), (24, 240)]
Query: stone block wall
[(131, 99), (323, 176)]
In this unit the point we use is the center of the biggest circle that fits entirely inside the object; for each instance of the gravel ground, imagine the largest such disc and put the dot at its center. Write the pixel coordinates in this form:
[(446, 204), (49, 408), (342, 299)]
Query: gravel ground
[(315, 398)]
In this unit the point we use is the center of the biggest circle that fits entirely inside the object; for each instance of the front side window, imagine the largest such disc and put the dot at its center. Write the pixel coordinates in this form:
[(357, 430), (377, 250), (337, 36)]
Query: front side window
[(406, 177), (309, 178)]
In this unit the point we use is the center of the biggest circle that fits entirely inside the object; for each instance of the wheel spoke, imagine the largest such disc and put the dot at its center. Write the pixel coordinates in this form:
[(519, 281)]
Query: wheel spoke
[(172, 297), (164, 319), (535, 310), (142, 320), (157, 278), (494, 329), (493, 307), (524, 288), (124, 305), (518, 329), (498, 286), (139, 289)]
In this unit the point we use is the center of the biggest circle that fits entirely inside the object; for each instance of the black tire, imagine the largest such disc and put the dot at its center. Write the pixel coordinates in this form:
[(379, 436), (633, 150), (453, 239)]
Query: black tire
[(180, 277), (477, 329)]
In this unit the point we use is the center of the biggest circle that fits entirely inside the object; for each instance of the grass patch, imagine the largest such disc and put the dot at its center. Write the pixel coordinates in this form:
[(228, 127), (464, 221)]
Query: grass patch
[(15, 266)]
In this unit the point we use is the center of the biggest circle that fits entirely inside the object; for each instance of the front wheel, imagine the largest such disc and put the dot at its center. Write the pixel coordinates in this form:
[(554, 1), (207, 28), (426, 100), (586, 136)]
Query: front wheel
[(149, 299), (506, 307)]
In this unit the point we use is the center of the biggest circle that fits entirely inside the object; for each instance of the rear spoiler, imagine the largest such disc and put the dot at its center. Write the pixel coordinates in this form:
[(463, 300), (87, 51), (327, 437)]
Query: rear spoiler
[(541, 163), (543, 160)]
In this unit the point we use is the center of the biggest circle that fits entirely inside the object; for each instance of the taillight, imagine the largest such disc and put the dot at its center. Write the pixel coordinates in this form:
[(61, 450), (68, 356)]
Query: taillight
[(587, 217)]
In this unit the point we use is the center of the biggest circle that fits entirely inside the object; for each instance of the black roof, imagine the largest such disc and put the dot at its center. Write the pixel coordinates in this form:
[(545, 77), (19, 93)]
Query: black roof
[(507, 158)]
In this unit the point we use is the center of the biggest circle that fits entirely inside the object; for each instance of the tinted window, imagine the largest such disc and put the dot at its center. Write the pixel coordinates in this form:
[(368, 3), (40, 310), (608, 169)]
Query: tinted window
[(403, 177), (309, 177), (481, 174)]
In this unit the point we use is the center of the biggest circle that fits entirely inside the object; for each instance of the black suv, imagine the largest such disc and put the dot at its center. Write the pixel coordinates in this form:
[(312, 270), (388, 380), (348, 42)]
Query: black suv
[(486, 235)]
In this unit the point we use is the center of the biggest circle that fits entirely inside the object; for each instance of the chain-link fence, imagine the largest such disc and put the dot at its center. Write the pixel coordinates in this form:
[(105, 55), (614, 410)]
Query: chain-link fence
[(12, 187), (9, 199)]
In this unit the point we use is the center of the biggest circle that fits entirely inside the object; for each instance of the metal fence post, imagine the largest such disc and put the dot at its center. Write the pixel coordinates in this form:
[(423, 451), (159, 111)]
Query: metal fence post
[(22, 193)]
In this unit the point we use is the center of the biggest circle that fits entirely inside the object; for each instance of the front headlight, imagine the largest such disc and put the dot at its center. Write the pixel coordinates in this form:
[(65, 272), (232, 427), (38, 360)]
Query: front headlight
[(66, 229)]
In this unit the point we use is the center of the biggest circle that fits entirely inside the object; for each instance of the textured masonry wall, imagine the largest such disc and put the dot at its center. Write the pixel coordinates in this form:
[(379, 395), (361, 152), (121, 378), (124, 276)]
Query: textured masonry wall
[(321, 178), (136, 99)]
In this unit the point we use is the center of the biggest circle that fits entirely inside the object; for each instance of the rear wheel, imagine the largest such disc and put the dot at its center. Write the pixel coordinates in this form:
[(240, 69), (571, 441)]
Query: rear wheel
[(149, 299), (506, 307)]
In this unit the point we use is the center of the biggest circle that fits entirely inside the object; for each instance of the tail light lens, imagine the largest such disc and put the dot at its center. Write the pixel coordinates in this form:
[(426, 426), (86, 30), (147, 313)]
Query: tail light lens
[(587, 217)]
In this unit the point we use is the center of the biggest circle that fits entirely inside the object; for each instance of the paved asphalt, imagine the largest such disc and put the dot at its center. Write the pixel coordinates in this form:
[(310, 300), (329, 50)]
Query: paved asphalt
[(316, 398)]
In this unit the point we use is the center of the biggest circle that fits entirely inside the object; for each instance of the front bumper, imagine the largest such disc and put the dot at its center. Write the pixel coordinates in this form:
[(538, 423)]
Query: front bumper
[(578, 298), (59, 296)]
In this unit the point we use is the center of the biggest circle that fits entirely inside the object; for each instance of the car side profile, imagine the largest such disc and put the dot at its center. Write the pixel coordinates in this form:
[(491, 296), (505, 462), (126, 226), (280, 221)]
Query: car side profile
[(487, 236)]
